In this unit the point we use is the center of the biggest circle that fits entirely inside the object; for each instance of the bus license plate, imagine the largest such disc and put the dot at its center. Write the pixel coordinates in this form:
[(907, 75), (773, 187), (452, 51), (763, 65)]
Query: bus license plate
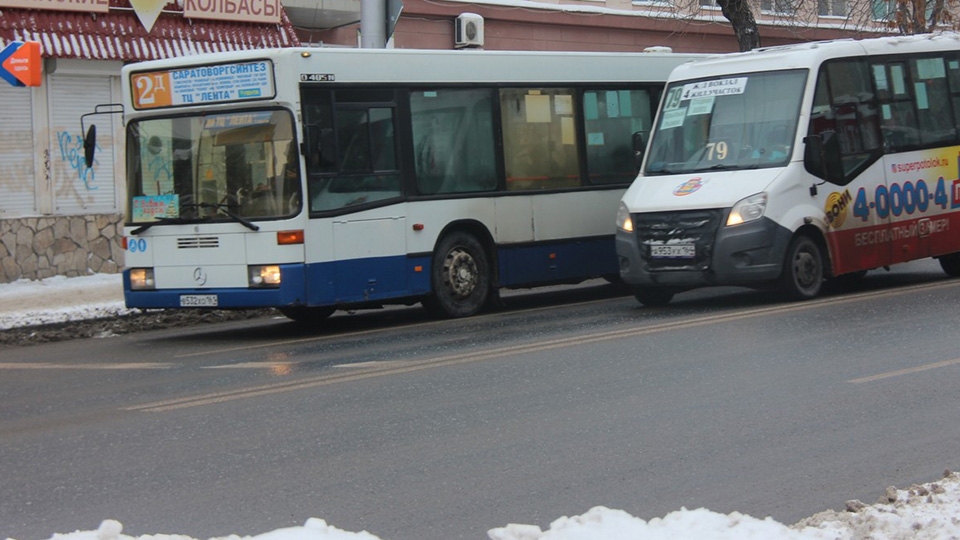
[(198, 300), (676, 251)]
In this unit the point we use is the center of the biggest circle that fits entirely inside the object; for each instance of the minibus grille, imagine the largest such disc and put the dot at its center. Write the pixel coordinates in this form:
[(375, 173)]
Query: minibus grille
[(696, 228), (196, 242)]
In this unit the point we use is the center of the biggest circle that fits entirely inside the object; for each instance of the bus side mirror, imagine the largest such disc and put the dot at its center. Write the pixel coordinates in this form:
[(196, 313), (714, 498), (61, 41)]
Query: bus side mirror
[(89, 145), (821, 156), (639, 147), (320, 147)]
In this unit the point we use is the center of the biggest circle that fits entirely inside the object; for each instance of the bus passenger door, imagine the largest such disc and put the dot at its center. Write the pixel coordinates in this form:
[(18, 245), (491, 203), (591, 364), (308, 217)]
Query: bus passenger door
[(845, 111), (371, 258)]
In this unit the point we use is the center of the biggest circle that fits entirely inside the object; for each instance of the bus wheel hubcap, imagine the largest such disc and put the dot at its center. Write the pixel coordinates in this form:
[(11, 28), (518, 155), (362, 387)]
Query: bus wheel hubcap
[(806, 269), (461, 272)]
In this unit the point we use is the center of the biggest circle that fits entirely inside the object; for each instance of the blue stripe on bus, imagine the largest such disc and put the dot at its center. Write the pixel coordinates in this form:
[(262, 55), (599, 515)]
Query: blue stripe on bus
[(383, 278), (557, 262)]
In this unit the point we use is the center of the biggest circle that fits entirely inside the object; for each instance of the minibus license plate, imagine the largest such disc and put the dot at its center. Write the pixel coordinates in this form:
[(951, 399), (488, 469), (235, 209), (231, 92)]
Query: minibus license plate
[(198, 300), (685, 251)]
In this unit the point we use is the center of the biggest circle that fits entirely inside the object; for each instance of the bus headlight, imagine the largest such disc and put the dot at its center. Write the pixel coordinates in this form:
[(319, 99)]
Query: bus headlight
[(748, 209), (624, 221), (264, 275), (141, 279)]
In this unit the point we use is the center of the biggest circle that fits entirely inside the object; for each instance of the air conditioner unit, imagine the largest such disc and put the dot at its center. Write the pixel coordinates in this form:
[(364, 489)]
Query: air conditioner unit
[(468, 31)]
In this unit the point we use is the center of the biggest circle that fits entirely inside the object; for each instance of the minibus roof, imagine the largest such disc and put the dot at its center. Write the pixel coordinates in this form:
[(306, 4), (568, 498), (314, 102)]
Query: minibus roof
[(811, 54)]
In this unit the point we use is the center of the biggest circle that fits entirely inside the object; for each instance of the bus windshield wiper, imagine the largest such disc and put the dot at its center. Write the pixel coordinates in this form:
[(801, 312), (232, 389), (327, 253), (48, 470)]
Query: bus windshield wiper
[(225, 208), (160, 221)]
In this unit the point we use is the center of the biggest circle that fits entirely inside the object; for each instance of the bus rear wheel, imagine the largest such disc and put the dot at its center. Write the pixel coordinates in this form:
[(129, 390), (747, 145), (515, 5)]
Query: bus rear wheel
[(460, 277), (803, 273), (307, 315), (951, 264)]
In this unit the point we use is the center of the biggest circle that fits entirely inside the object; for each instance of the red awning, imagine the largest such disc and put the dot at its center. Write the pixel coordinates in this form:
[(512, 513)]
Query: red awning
[(119, 35)]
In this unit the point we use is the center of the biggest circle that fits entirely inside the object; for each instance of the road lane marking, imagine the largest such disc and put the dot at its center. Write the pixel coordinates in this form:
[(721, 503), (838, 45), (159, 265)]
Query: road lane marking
[(907, 371), (374, 368), (809, 304), (49, 365)]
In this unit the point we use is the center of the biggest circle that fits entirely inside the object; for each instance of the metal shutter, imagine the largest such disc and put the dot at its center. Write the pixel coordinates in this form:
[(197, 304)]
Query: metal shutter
[(78, 190), (17, 153)]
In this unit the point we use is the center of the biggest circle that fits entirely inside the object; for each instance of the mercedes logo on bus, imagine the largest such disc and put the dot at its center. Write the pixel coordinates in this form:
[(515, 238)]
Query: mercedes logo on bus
[(199, 275)]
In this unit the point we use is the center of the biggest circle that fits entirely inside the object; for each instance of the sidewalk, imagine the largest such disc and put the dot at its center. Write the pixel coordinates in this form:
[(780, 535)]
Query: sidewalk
[(60, 299)]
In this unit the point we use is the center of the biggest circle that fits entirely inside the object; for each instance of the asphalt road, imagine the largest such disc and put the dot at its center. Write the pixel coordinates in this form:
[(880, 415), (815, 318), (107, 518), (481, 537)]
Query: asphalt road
[(416, 429)]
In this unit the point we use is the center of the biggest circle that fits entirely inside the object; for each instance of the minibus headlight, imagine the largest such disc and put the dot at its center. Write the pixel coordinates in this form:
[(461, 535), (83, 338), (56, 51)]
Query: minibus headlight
[(141, 279), (264, 275), (748, 209), (624, 221)]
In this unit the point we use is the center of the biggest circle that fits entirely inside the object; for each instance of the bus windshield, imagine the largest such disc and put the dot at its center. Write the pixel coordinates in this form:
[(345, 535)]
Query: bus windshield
[(233, 166), (744, 121)]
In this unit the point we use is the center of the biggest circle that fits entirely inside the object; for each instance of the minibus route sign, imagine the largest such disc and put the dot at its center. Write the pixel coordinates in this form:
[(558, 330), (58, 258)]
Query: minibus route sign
[(716, 87), (203, 85)]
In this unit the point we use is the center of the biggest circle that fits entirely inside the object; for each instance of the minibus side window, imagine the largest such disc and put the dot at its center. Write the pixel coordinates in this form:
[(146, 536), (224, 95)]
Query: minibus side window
[(845, 105)]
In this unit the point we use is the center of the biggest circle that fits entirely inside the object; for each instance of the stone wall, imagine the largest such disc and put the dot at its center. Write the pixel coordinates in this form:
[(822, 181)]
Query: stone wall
[(42, 247)]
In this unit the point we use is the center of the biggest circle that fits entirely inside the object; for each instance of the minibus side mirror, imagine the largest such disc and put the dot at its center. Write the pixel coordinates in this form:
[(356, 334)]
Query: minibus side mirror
[(822, 158), (89, 145)]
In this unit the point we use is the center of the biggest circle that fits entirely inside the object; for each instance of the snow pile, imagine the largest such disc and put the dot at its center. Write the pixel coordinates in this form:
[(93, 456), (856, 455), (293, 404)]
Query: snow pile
[(923, 512), (60, 299)]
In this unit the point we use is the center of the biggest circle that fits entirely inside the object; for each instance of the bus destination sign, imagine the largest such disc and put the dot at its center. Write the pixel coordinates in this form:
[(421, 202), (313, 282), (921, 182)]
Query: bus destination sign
[(203, 85)]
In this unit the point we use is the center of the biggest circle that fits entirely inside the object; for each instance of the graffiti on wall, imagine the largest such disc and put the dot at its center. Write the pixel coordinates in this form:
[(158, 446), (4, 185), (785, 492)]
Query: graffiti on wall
[(71, 151)]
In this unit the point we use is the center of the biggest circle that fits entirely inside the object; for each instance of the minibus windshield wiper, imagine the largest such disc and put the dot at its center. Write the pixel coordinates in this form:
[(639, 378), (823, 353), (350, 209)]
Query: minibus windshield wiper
[(725, 167), (225, 208)]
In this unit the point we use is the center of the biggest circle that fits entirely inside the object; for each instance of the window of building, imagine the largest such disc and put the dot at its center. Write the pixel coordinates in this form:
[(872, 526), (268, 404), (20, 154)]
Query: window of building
[(832, 8)]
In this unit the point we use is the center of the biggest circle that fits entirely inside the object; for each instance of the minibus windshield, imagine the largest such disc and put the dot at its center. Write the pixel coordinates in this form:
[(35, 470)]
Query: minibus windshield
[(742, 121), (235, 166)]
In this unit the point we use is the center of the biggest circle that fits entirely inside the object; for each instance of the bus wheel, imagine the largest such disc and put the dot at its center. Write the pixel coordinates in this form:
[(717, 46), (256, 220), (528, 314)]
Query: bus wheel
[(460, 277), (307, 315), (802, 269), (653, 296), (951, 264)]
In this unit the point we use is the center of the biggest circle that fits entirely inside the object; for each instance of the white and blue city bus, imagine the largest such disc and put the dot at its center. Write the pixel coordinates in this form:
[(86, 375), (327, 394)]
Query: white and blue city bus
[(314, 179)]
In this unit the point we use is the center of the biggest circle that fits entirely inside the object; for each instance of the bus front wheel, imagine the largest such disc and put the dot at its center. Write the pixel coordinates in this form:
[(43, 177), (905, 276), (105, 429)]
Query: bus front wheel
[(653, 296), (802, 269), (460, 277)]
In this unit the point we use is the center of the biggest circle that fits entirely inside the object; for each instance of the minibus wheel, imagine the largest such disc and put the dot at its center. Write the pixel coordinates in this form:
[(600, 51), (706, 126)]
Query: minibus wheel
[(951, 264), (460, 277), (653, 296), (307, 315), (803, 273)]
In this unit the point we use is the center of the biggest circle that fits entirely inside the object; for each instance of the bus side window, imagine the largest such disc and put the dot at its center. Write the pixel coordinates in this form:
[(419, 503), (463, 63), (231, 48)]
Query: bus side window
[(319, 134), (897, 117), (453, 140), (953, 77), (612, 119), (540, 146), (931, 97)]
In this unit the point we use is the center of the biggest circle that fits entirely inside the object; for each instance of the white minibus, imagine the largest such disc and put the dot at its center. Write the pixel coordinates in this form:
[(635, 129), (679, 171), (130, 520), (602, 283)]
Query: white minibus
[(790, 165)]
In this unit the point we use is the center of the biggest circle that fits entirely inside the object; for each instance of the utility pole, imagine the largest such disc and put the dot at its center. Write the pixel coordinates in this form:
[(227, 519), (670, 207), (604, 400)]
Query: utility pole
[(373, 27)]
